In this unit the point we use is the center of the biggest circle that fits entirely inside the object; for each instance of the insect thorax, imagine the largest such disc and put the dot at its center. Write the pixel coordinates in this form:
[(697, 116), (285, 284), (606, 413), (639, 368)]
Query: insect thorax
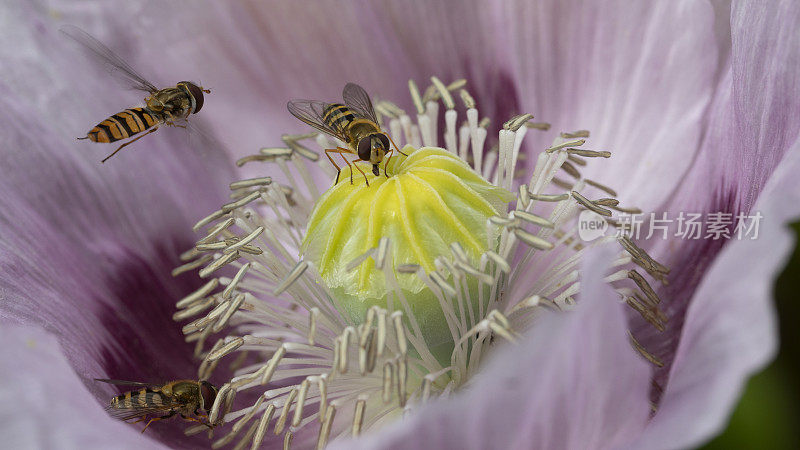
[(361, 128), (170, 103)]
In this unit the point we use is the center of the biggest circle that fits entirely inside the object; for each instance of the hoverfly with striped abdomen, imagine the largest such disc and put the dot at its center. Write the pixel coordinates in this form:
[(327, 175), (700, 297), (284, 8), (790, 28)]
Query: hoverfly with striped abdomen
[(184, 397), (354, 123), (162, 106)]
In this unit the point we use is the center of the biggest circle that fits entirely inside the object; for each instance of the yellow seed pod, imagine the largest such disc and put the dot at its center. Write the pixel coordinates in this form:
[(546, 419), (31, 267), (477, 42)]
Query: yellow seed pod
[(430, 200)]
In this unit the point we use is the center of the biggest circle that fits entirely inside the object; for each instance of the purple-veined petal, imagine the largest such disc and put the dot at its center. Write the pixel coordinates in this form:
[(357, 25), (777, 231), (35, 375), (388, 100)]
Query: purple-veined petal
[(43, 393), (730, 329), (753, 122), (639, 76), (573, 382)]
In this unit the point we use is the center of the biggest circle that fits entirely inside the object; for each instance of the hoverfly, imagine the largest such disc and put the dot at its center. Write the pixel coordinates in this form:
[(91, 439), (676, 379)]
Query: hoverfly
[(353, 122), (183, 397), (162, 106)]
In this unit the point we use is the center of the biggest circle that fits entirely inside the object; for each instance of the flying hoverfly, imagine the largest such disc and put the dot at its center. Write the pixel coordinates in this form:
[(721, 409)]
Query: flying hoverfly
[(162, 106), (354, 123), (183, 397)]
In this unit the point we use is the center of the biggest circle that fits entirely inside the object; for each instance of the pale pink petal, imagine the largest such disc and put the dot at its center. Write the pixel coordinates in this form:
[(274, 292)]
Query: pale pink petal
[(730, 330), (753, 122), (638, 75), (47, 405)]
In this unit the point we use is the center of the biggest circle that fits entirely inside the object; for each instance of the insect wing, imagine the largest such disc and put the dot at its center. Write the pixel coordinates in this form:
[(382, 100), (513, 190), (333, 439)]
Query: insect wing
[(115, 65), (123, 382), (357, 99), (310, 112), (141, 405)]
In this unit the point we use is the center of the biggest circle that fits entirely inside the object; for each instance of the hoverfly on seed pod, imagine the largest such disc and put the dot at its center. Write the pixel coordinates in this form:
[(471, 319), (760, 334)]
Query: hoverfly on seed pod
[(187, 398), (353, 123), (168, 106)]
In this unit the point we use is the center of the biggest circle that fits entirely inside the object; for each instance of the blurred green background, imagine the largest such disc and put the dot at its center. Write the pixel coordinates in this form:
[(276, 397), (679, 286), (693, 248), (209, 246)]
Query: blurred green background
[(768, 415)]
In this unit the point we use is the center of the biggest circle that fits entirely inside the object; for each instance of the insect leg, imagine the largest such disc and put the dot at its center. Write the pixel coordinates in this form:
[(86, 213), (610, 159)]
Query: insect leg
[(362, 173), (129, 142), (338, 169), (386, 164), (154, 419), (172, 124), (342, 151), (395, 145), (192, 419)]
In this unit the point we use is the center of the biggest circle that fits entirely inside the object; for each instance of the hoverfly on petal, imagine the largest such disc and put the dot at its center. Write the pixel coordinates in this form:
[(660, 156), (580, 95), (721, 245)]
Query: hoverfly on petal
[(188, 398)]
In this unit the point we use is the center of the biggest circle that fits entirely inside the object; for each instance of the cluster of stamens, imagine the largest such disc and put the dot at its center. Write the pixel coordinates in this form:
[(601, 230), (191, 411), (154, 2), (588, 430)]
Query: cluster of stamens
[(311, 366)]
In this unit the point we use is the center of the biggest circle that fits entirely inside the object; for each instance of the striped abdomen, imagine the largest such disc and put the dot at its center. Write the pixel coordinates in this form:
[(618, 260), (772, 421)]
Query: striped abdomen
[(144, 398), (338, 117), (122, 125)]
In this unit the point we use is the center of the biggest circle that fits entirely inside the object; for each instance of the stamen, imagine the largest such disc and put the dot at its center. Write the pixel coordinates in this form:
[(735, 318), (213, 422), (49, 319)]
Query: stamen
[(235, 281), (544, 126), (644, 286), (576, 143), (245, 240), (447, 99), (293, 276), (276, 152), (201, 293), (250, 182), (415, 98), (516, 122), (358, 417), (193, 310), (208, 219), (532, 240), (232, 308), (225, 349), (549, 197), (533, 219), (218, 263), (191, 265), (325, 430), (241, 202), (639, 348), (575, 134), (590, 205), (263, 425), (216, 230), (588, 153), (301, 398), (293, 142)]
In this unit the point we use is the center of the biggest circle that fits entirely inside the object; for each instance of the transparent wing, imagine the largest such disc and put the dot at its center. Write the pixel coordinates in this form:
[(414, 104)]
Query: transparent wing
[(115, 65), (136, 410), (310, 112), (123, 382), (357, 99)]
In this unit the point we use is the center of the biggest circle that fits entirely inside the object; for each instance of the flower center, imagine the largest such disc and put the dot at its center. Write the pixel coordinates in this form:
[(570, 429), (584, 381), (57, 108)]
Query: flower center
[(403, 286), (431, 203)]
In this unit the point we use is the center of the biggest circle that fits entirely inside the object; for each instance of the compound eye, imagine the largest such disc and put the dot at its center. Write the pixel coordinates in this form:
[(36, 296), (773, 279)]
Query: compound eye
[(197, 93), (208, 394), (384, 141), (364, 149)]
